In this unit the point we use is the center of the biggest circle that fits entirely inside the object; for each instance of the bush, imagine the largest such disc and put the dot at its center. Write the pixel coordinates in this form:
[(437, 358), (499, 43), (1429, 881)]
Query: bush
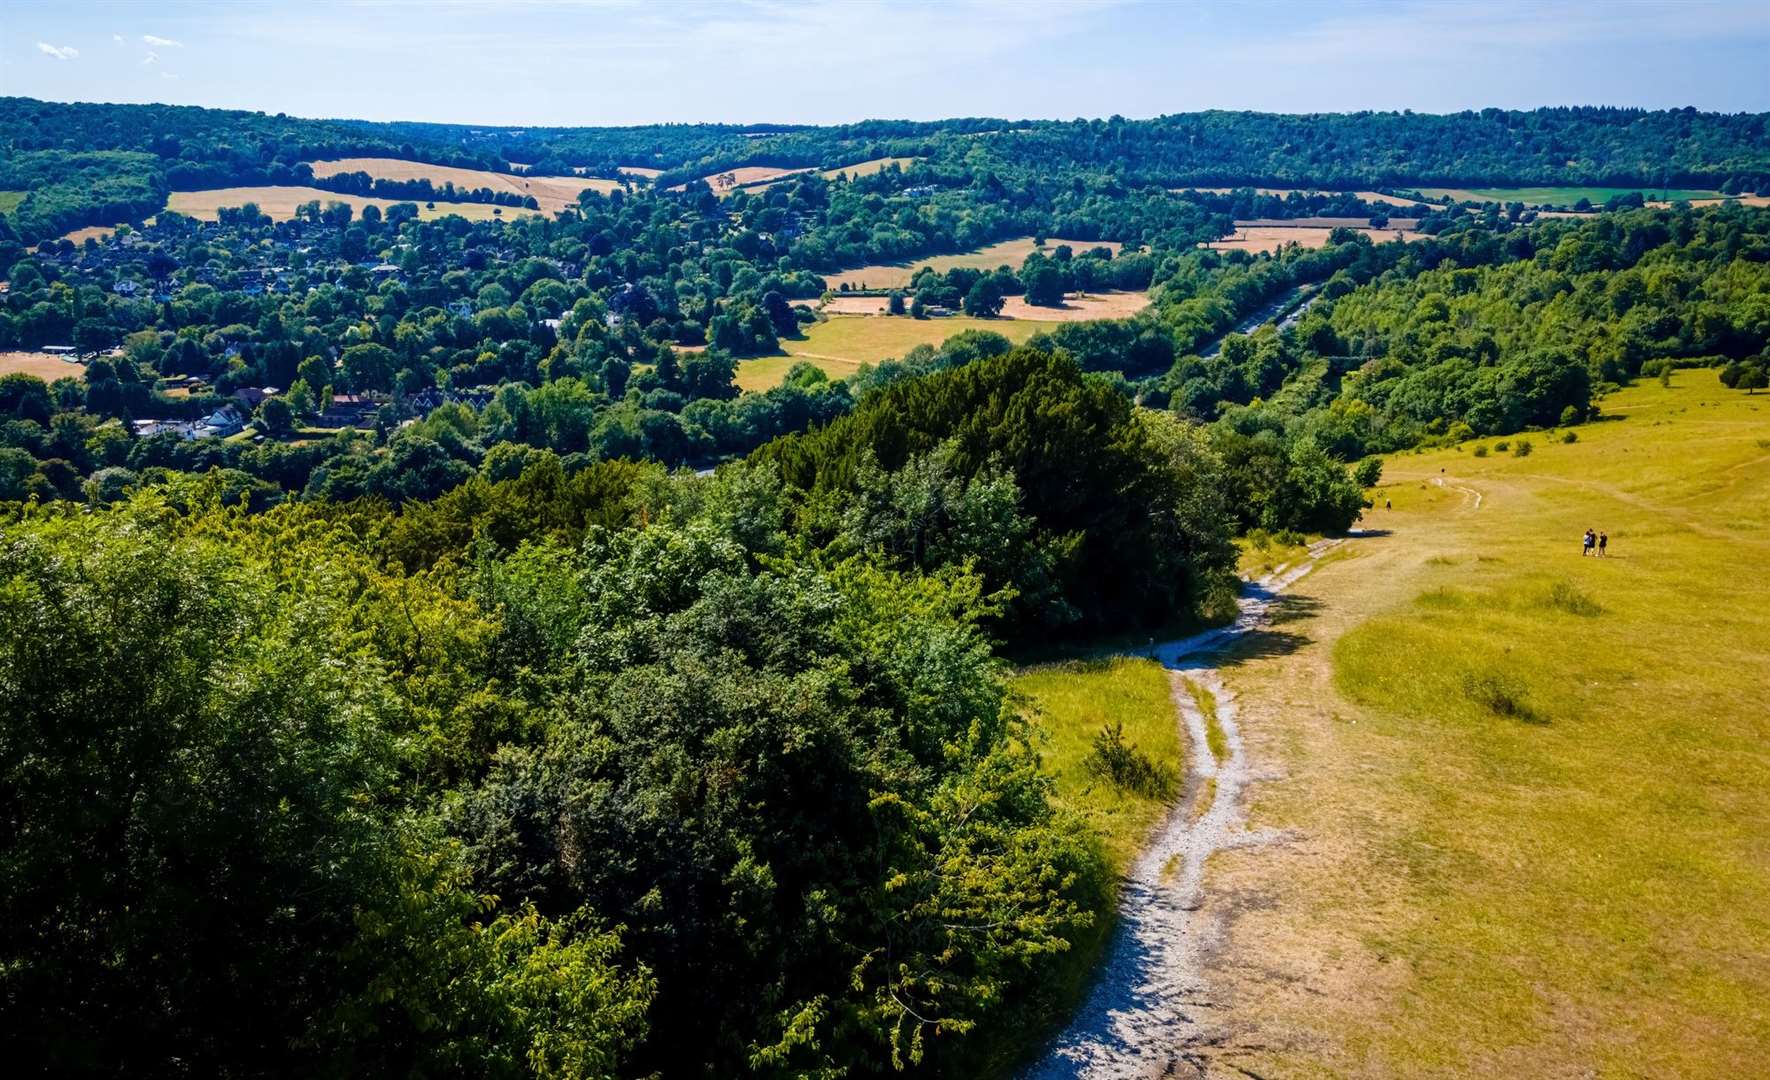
[(1502, 446), (1124, 766), (1369, 472), (1523, 449), (1568, 597), (1481, 451), (1498, 693), (1570, 436)]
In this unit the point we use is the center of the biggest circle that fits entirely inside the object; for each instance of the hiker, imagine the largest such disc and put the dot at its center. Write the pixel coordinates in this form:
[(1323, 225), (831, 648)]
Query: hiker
[(1387, 505), (1603, 539), (1586, 542)]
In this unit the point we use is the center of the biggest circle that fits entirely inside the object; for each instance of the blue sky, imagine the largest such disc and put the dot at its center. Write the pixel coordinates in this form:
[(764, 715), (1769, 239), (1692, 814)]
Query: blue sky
[(628, 61)]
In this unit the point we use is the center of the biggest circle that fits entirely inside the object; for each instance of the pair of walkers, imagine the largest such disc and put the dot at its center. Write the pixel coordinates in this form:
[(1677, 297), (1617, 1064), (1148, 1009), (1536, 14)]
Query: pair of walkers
[(1593, 540)]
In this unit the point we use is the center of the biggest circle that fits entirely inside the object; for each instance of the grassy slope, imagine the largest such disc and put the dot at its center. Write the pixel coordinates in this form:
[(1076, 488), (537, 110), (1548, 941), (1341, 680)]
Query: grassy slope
[(1576, 890), (9, 200)]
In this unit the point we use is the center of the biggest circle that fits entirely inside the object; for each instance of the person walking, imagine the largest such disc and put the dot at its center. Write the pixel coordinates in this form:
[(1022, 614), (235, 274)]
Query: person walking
[(1586, 542), (1603, 539)]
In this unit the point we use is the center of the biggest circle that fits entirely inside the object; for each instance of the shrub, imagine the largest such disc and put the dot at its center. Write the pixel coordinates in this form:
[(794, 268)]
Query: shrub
[(1502, 446), (1524, 448), (1124, 766), (1368, 472), (1570, 436), (1570, 416), (1566, 596), (1498, 693), (1481, 451)]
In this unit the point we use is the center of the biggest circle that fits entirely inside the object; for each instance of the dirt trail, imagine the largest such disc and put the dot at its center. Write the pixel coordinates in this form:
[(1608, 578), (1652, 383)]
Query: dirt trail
[(1150, 1005)]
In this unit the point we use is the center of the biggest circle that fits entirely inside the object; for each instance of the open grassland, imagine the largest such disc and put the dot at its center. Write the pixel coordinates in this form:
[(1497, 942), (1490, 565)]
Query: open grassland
[(1526, 793), (46, 366), (1258, 238), (1561, 196), (280, 203), (839, 346), (1367, 196), (1005, 253), (553, 193)]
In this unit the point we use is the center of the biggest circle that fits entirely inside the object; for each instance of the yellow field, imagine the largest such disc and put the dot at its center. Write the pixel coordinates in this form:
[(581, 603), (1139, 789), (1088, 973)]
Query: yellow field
[(842, 344), (1009, 253), (868, 168), (1523, 795), (90, 232), (1257, 238), (45, 366), (1077, 307), (553, 193), (280, 203), (639, 170)]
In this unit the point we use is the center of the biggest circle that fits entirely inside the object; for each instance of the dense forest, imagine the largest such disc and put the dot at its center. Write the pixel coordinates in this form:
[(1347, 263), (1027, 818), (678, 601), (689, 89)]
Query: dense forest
[(412, 632)]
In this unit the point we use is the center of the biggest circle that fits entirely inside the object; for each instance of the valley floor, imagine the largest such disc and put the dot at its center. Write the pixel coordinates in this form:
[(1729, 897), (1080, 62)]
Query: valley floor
[(1522, 797)]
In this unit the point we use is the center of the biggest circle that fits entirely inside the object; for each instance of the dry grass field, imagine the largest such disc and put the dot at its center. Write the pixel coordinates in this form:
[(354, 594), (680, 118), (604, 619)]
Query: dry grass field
[(1077, 307), (868, 168), (1367, 196), (1519, 798), (841, 345), (1257, 238), (45, 366), (90, 232), (1005, 253), (280, 203), (640, 171), (554, 193)]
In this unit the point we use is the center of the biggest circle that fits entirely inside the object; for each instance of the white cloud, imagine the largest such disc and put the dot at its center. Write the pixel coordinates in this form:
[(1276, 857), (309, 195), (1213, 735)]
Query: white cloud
[(118, 38), (162, 43), (150, 58), (60, 52)]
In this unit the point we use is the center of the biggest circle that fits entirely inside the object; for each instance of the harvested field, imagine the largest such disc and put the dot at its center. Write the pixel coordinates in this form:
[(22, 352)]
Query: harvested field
[(1744, 200), (1404, 224), (554, 193), (1006, 253), (868, 168), (280, 203), (90, 232), (1078, 307), (856, 305), (1367, 196), (46, 366), (638, 170), (1271, 238), (841, 345)]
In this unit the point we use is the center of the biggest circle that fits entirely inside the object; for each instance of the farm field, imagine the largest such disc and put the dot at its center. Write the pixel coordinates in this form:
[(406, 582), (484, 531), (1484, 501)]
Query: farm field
[(280, 203), (1561, 196), (46, 366), (1076, 307), (1257, 238), (1367, 196), (868, 168), (89, 232), (841, 345), (1003, 253), (554, 193), (1522, 794), (641, 171)]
